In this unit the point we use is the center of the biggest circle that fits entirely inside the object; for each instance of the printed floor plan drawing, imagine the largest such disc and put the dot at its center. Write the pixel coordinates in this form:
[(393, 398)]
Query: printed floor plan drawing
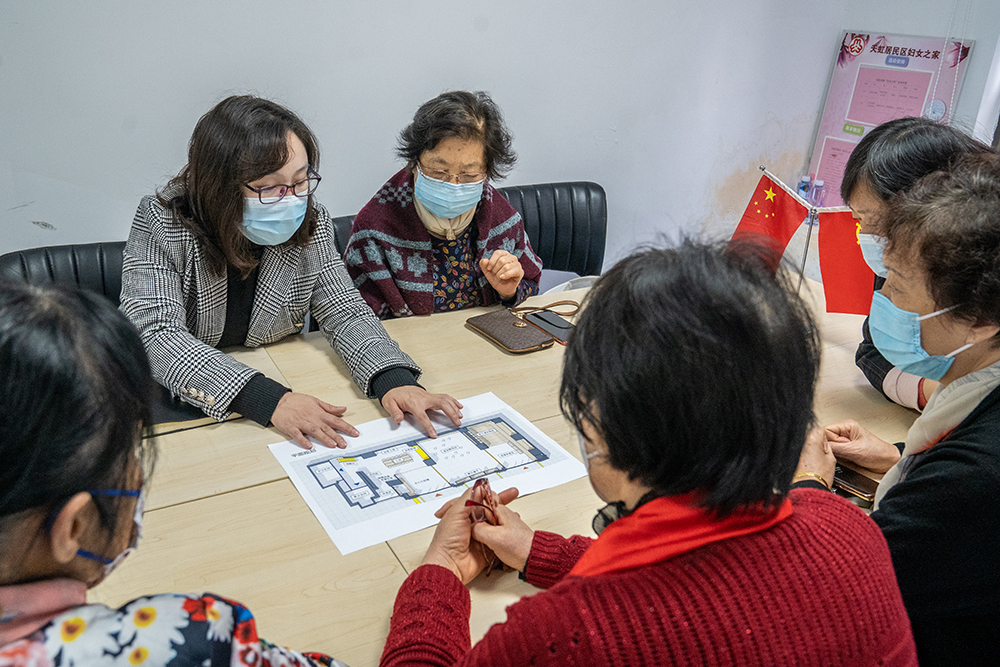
[(391, 479), (424, 466)]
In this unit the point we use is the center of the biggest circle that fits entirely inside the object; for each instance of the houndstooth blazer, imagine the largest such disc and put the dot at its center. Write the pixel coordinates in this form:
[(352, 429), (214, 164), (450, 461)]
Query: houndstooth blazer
[(179, 307)]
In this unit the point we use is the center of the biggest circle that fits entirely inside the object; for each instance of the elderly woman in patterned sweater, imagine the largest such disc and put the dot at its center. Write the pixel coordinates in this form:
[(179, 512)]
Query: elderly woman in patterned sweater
[(438, 236), (71, 498), (703, 555), (235, 251)]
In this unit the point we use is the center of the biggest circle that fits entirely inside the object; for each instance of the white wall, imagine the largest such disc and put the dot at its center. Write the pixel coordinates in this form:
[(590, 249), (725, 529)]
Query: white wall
[(671, 106), (989, 110)]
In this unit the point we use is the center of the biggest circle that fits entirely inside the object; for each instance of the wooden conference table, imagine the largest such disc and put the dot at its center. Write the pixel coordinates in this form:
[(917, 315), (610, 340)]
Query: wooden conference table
[(223, 517)]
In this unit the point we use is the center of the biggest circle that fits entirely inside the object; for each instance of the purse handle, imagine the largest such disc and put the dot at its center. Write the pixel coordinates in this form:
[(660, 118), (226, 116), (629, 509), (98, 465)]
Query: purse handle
[(521, 311)]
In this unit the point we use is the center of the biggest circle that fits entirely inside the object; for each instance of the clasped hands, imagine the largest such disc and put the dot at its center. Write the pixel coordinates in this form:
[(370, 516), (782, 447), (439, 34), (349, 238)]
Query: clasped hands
[(300, 416), (466, 547), (849, 441)]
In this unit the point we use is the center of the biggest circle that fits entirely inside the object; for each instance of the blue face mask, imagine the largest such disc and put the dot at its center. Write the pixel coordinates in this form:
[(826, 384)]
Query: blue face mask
[(447, 200), (871, 249), (273, 224), (896, 334)]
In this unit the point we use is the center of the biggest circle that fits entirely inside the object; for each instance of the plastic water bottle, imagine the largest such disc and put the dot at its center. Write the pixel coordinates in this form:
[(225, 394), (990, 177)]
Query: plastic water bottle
[(817, 194), (803, 187)]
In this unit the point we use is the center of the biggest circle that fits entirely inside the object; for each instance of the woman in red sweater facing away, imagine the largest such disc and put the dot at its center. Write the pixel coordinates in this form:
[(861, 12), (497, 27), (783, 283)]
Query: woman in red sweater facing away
[(690, 378)]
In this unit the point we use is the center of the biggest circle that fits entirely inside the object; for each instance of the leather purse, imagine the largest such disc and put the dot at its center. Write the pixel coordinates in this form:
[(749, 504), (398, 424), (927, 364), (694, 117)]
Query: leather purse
[(509, 332)]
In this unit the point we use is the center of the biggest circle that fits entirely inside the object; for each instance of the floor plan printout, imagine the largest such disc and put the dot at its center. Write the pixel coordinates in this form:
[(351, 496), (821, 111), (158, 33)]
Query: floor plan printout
[(391, 479)]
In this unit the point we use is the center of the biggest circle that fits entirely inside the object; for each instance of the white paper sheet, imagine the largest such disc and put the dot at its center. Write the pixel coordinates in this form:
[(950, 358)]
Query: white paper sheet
[(391, 479)]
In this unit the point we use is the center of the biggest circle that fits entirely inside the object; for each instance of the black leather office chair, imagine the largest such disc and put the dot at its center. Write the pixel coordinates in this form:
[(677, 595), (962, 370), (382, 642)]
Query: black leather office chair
[(342, 232), (97, 267), (566, 223), (94, 266)]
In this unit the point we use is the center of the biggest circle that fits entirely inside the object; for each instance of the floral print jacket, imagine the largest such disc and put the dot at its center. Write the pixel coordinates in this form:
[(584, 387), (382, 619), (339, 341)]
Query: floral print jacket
[(159, 630)]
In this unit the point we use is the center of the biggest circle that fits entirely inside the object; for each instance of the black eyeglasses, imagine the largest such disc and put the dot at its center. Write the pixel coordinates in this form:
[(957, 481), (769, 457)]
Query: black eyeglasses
[(272, 194)]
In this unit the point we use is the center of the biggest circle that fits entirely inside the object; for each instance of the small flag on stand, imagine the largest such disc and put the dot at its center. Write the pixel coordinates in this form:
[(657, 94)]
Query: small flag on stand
[(847, 280), (770, 220)]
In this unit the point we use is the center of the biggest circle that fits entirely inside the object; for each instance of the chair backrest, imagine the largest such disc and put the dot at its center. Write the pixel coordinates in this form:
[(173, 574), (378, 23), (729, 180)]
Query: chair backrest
[(94, 266), (342, 232), (567, 223)]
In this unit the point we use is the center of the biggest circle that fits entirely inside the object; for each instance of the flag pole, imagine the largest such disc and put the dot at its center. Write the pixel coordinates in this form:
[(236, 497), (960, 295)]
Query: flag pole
[(812, 221)]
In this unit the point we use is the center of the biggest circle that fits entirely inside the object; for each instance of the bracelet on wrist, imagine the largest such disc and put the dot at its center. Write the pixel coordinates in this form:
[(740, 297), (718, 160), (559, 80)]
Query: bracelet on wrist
[(819, 478)]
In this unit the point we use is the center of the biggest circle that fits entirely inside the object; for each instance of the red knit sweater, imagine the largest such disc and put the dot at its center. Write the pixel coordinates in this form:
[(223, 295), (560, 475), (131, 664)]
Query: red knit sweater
[(816, 589)]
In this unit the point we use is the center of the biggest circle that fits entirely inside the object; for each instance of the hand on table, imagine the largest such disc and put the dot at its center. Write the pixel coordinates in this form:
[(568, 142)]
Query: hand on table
[(504, 272), (301, 415), (817, 458), (853, 442), (418, 402)]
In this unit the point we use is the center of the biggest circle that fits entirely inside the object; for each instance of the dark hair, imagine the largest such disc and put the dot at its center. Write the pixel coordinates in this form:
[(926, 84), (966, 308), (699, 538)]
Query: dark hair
[(697, 367), (77, 390), (464, 115), (241, 139), (949, 222), (896, 154)]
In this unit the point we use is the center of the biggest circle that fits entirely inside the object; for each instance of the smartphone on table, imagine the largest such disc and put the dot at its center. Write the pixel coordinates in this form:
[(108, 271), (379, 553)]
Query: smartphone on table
[(554, 325), (855, 483)]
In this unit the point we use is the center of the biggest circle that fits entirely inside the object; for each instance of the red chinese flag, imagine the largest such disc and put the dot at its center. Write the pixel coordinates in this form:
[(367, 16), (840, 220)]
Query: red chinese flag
[(771, 218), (847, 280)]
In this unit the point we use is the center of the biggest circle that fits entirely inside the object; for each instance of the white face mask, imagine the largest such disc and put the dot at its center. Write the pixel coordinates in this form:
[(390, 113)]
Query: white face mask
[(871, 250), (584, 454), (613, 510)]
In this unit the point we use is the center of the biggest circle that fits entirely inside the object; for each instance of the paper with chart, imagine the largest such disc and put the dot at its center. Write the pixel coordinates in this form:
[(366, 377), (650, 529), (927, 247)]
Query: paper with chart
[(391, 479)]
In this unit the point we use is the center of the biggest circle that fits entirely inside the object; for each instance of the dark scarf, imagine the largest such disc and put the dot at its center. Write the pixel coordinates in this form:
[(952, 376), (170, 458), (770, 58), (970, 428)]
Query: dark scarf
[(391, 259)]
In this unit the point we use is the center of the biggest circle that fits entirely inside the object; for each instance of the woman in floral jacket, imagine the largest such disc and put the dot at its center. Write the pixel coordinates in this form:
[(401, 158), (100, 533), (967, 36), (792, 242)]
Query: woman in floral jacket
[(71, 498)]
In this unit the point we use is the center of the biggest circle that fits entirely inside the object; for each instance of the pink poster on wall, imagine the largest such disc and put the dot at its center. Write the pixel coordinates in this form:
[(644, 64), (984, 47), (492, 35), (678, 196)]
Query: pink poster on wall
[(879, 78), (881, 94), (832, 162)]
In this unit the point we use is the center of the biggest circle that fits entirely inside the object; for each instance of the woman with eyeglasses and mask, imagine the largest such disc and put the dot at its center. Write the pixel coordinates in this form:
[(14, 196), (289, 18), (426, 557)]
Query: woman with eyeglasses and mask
[(890, 159), (438, 236), (235, 250), (703, 555), (76, 397), (938, 315)]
